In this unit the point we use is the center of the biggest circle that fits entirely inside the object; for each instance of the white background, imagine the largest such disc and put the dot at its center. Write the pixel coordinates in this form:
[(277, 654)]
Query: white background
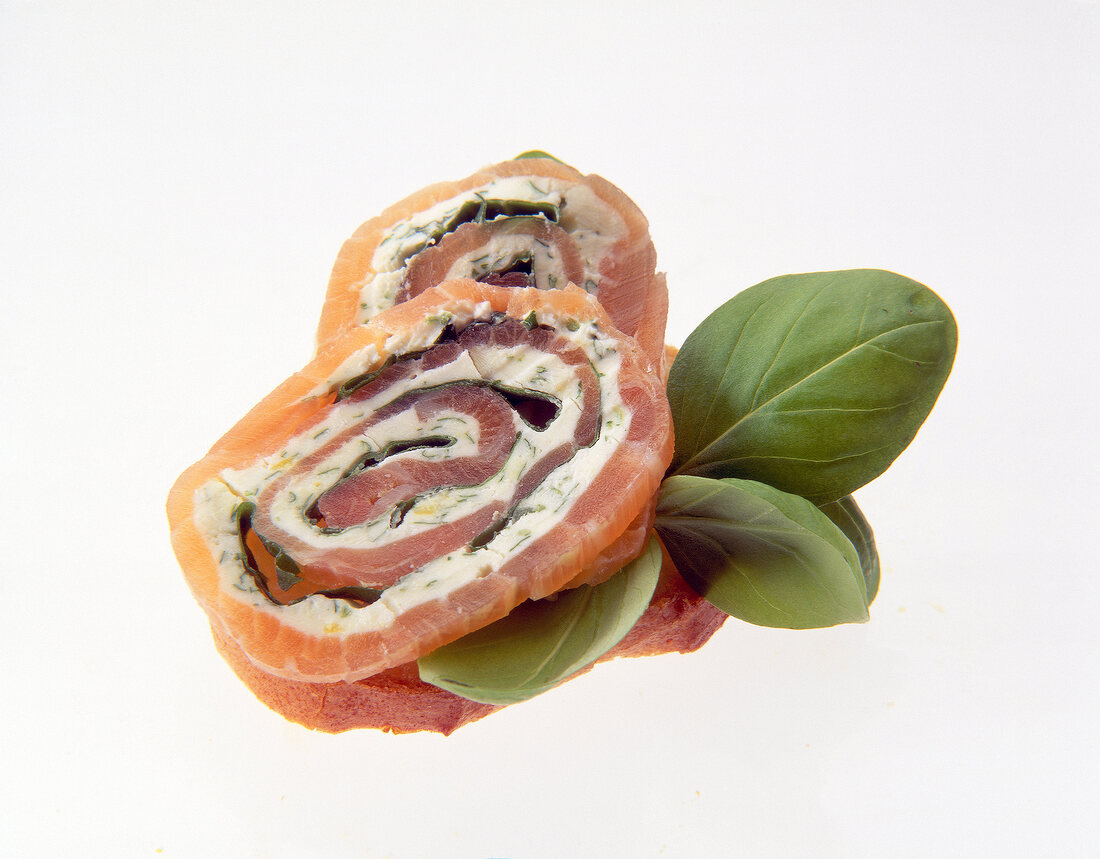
[(176, 180)]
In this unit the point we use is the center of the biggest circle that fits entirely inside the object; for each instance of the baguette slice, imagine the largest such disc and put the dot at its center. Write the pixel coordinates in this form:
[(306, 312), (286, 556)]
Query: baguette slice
[(678, 620)]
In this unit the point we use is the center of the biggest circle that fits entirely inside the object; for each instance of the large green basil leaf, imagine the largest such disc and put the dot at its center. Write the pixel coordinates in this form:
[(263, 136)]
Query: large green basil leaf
[(847, 516), (543, 642), (813, 383), (760, 554)]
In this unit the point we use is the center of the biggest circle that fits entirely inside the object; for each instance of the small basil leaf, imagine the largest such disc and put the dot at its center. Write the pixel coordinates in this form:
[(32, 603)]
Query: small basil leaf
[(352, 385), (759, 554), (355, 593), (543, 642), (537, 153), (287, 572), (813, 383), (482, 209), (847, 516)]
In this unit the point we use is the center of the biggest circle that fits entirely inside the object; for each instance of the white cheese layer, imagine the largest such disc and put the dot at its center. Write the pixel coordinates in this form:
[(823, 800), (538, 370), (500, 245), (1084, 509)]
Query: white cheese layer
[(501, 252)]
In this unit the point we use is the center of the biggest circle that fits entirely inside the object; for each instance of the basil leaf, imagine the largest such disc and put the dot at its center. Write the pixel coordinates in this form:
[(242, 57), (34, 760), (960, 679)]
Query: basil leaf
[(287, 572), (478, 210), (483, 209), (537, 153), (812, 383), (543, 642), (847, 516), (759, 554)]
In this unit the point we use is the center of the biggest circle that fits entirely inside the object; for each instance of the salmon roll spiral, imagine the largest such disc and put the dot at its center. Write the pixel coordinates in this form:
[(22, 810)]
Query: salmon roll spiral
[(456, 454), (528, 222)]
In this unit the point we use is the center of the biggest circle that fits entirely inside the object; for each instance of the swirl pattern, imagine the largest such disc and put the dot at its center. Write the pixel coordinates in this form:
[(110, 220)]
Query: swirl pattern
[(529, 222), (470, 448)]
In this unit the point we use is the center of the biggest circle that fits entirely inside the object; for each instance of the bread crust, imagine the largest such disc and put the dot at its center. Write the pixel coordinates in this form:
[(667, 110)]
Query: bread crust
[(397, 701)]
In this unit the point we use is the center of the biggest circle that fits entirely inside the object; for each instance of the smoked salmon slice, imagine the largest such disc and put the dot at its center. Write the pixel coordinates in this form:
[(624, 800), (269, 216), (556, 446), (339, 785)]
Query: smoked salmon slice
[(531, 221), (435, 465)]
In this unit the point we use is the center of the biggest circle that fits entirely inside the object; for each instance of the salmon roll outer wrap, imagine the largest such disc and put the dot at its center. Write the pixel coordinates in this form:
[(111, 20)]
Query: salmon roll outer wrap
[(461, 452), (526, 222)]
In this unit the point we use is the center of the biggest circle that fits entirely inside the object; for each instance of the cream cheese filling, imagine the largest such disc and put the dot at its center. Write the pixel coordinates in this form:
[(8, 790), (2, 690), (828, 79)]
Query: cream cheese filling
[(502, 252), (520, 367)]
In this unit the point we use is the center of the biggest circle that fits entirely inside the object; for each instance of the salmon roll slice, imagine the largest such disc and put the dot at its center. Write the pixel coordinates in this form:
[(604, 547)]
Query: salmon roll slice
[(471, 448), (528, 222)]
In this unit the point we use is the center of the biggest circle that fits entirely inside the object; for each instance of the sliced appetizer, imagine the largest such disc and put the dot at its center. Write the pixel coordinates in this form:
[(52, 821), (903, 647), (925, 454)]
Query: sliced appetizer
[(529, 222), (469, 449)]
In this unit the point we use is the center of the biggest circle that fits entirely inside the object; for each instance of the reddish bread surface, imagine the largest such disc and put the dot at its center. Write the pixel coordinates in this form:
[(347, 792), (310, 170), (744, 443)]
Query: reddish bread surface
[(677, 621)]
